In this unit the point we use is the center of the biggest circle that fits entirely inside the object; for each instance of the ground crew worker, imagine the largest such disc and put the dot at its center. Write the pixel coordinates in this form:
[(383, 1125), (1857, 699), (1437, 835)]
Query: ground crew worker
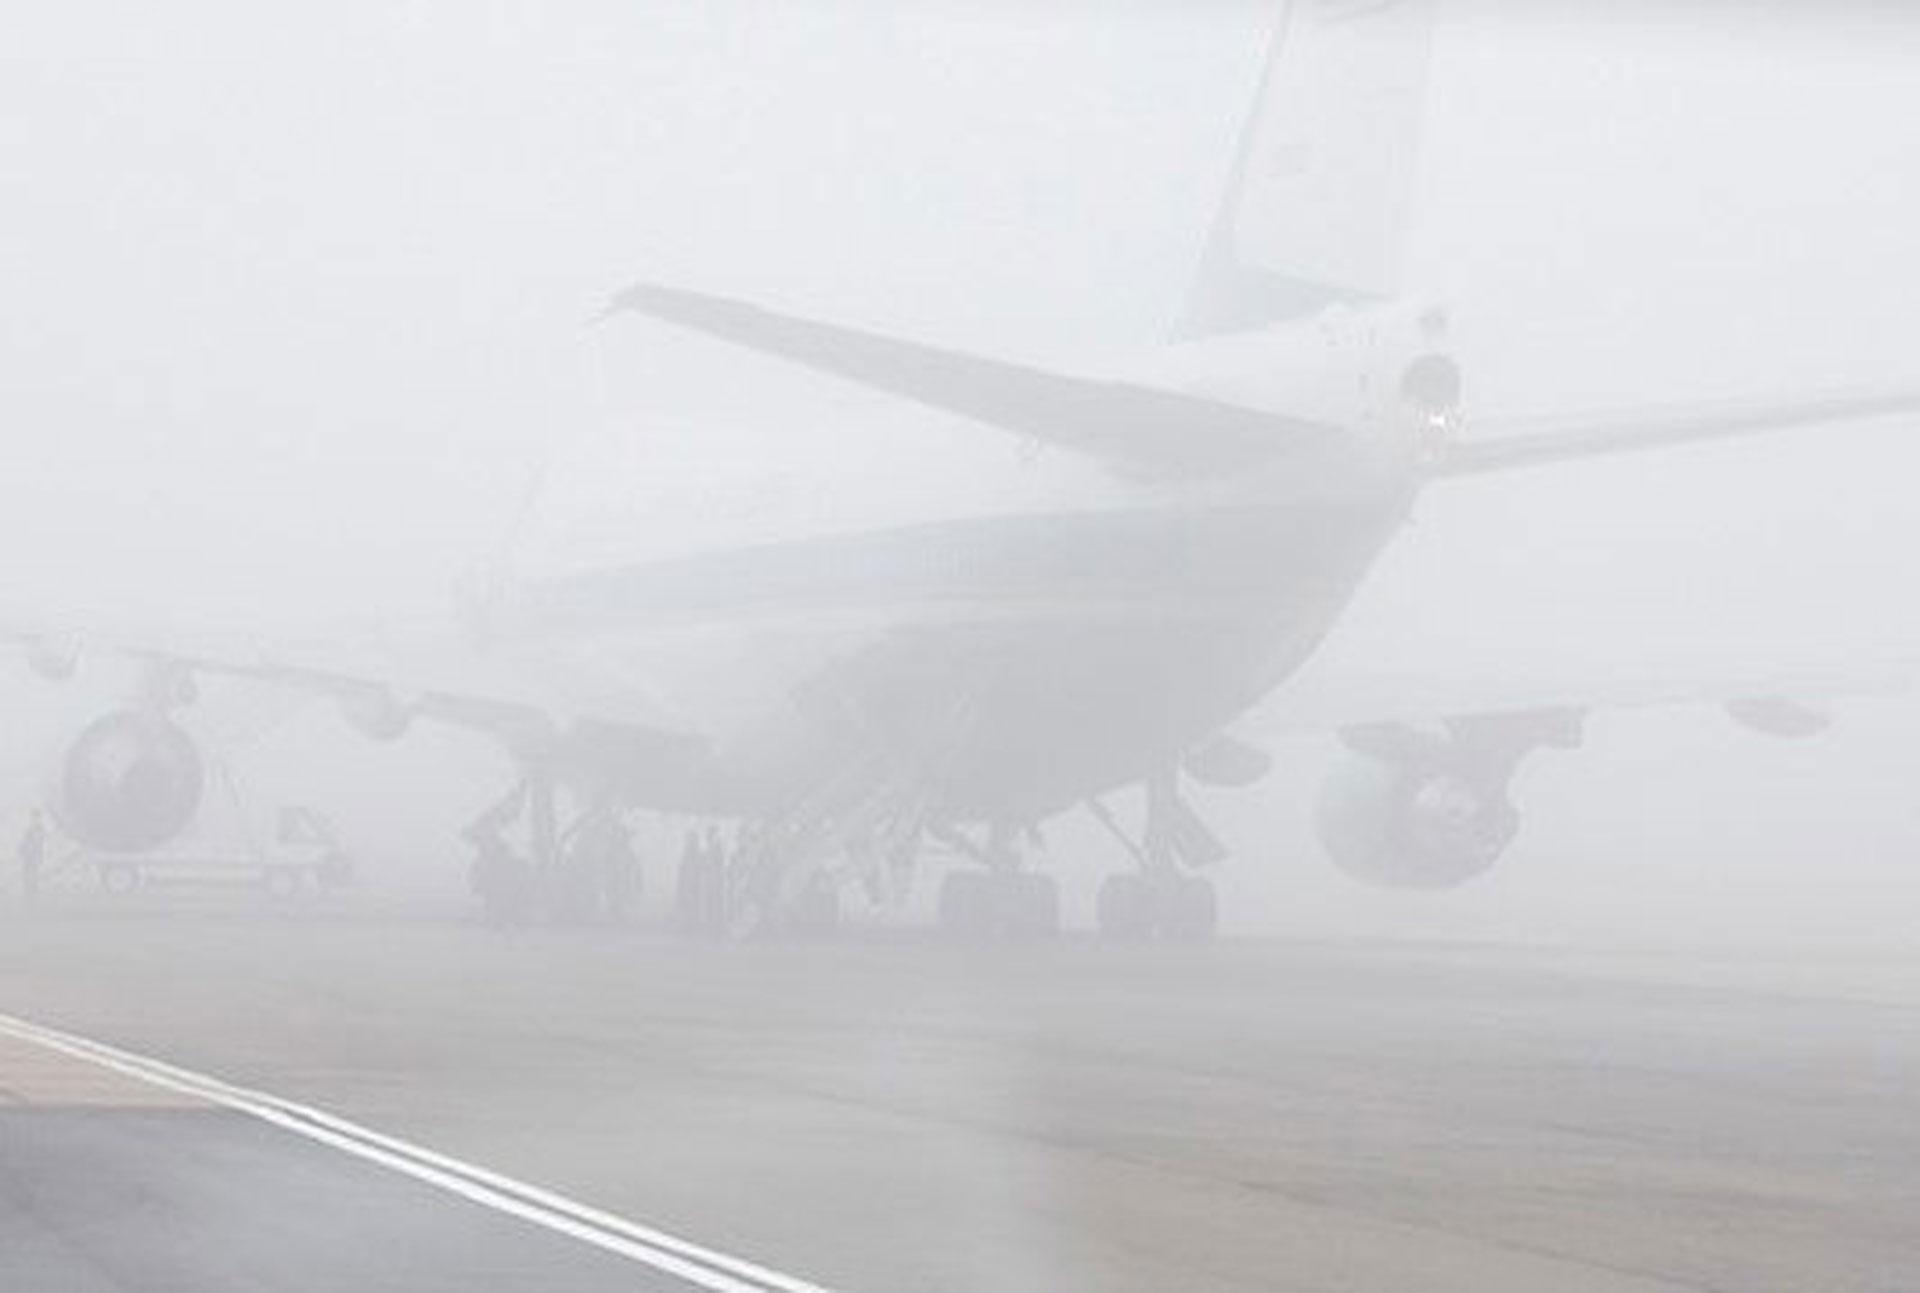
[(500, 878), (33, 855)]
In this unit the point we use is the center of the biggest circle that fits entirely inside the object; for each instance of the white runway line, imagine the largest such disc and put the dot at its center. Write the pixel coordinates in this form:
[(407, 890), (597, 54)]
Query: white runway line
[(663, 1252)]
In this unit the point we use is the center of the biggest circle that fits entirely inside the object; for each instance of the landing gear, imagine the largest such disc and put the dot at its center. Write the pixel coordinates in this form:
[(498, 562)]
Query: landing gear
[(503, 882), (1005, 901), (1136, 906), (700, 888), (1190, 912), (1015, 906), (1163, 898), (966, 903), (1030, 906), (815, 911)]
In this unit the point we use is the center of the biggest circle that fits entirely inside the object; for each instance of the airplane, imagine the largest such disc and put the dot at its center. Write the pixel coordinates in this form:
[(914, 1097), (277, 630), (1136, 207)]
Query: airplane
[(854, 696)]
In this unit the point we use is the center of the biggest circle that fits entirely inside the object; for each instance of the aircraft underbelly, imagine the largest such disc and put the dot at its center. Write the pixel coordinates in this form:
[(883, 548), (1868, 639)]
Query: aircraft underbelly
[(1006, 667)]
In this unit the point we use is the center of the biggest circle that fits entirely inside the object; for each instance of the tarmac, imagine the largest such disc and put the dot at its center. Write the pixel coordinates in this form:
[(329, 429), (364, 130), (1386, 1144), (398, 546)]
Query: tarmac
[(899, 1114)]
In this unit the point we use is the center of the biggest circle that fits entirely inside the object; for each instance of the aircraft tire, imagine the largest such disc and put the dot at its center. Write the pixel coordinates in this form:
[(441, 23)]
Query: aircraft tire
[(685, 884), (571, 894), (700, 896), (966, 904), (510, 898), (1029, 906), (1124, 912), (620, 892), (816, 909), (1189, 910)]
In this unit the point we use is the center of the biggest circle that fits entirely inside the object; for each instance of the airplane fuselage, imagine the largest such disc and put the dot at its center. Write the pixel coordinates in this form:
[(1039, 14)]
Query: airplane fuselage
[(1008, 663)]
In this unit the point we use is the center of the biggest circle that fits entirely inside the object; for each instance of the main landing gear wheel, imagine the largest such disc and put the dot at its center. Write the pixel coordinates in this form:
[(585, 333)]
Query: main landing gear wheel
[(700, 895), (1030, 906), (1020, 906), (1124, 910), (815, 912), (1189, 911), (966, 904), (1179, 908), (504, 884)]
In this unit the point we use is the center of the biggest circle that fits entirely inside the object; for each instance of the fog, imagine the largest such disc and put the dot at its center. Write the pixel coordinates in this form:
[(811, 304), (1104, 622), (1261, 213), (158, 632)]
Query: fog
[(299, 334), (309, 370)]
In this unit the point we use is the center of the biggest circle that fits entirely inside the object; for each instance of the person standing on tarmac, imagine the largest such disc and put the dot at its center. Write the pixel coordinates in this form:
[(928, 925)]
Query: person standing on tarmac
[(32, 852), (500, 878)]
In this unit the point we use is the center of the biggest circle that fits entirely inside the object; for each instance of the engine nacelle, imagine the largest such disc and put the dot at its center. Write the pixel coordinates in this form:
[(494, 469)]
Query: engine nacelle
[(1406, 825), (131, 781), (1428, 808)]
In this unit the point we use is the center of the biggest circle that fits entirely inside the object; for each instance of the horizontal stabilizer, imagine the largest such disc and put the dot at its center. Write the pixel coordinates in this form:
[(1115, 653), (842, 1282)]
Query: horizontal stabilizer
[(1138, 429), (1658, 428)]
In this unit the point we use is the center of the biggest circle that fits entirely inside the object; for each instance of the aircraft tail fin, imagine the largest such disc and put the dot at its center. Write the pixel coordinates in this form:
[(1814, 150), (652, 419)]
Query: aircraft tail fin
[(1321, 191)]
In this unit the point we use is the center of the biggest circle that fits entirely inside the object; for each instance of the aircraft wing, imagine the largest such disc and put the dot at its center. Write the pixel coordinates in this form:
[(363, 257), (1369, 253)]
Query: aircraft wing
[(382, 677), (1139, 429), (1777, 697), (1505, 449)]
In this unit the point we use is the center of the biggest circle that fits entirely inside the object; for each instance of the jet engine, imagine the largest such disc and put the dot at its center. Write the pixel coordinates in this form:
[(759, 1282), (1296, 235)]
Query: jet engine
[(1409, 808), (1406, 827), (131, 781)]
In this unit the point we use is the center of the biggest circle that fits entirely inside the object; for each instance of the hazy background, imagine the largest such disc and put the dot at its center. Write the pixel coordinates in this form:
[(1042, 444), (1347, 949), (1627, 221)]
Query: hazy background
[(296, 307)]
